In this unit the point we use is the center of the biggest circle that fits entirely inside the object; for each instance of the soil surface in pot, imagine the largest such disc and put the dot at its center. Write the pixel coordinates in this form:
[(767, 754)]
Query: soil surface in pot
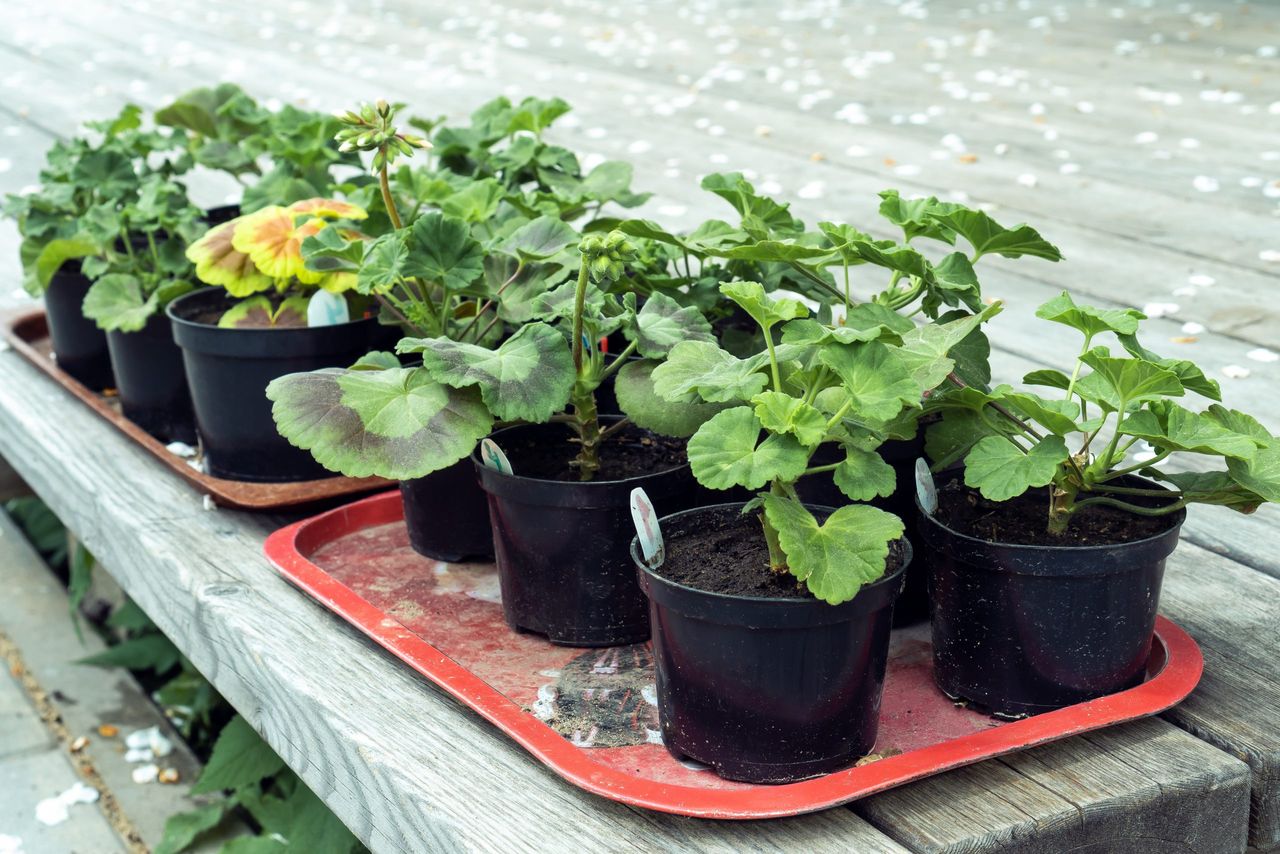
[(1024, 520), (631, 452), (727, 554)]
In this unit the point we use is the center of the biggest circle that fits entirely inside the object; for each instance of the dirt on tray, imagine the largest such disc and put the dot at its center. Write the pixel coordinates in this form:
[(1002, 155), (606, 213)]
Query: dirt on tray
[(725, 552)]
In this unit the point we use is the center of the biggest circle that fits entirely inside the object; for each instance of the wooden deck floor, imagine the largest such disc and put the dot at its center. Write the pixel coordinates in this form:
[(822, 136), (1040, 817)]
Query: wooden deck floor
[(1141, 137)]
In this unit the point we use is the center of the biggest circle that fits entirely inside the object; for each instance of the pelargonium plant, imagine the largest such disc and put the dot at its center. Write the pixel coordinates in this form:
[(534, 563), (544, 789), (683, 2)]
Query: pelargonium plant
[(855, 385), (1077, 441)]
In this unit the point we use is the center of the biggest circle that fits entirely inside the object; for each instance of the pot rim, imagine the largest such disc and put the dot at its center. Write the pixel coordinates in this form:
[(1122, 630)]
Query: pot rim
[(880, 583), (169, 312), (517, 478), (1176, 519)]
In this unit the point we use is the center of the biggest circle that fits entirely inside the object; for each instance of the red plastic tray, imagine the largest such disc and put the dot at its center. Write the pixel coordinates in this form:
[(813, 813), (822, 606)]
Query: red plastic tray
[(589, 714)]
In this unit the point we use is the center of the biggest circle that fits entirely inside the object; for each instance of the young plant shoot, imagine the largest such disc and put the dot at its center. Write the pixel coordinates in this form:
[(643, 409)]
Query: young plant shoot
[(856, 385), (1078, 441)]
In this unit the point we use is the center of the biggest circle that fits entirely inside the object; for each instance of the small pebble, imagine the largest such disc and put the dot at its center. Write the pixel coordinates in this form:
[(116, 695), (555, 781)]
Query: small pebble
[(168, 776), (108, 731), (1200, 280), (1262, 354), (1205, 184), (79, 744), (1192, 328), (1235, 372)]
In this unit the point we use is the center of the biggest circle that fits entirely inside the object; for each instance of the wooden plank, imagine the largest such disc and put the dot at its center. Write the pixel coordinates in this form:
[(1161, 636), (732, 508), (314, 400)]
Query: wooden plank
[(1142, 787), (406, 768)]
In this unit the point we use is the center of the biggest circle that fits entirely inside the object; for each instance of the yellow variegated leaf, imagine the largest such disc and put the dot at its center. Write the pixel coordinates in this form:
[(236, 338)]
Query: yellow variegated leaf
[(218, 262), (272, 238), (332, 208)]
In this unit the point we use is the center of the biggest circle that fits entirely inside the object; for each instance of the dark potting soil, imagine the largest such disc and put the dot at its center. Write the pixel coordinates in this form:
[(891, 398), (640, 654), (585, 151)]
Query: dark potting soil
[(1024, 520), (726, 553), (631, 452)]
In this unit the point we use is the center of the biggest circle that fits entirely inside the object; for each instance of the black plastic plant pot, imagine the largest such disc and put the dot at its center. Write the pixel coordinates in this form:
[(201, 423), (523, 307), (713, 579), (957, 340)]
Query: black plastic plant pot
[(220, 214), (766, 690), (913, 604), (562, 547), (151, 381), (79, 346), (447, 515), (1024, 629), (228, 371)]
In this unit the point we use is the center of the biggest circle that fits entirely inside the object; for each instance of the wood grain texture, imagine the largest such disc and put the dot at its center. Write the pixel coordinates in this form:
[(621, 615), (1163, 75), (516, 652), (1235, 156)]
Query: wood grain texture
[(406, 768), (1142, 787)]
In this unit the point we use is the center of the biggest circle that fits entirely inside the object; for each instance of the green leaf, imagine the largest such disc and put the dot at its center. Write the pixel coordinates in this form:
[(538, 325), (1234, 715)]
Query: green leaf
[(633, 386), (948, 440), (527, 378), (398, 423), (1240, 422), (540, 239), (257, 845), (56, 253), (1214, 487), (864, 475), (701, 369), (377, 360), (315, 829), (761, 216), (956, 282), (441, 250), (864, 322), (727, 451), (874, 376), (987, 236), (1000, 470), (330, 250), (148, 652), (917, 217), (766, 310), (1188, 373), (1047, 377), (839, 557), (662, 323), (115, 302), (1057, 416), (1118, 382), (773, 251), (182, 829), (240, 758), (1089, 320), (1260, 473), (782, 413), (476, 202), (1177, 429), (383, 263), (926, 349)]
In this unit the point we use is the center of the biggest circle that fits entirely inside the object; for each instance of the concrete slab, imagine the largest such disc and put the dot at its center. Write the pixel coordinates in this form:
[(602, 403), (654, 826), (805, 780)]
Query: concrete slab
[(27, 780), (20, 729)]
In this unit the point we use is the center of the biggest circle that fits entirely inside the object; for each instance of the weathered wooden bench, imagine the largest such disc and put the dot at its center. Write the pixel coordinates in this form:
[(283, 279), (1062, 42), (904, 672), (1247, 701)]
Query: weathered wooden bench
[(683, 90)]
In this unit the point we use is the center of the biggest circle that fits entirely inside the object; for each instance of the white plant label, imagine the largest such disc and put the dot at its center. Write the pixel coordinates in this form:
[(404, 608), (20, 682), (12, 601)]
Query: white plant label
[(493, 457), (647, 530), (326, 309), (925, 489)]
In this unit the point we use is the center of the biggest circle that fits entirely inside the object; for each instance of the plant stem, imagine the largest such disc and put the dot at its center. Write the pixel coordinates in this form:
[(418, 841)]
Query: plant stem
[(817, 280), (620, 424), (1133, 508), (1112, 475), (579, 305), (588, 427), (489, 302), (777, 557), (385, 183), (846, 284), (773, 360), (618, 362), (391, 307), (1136, 490), (820, 469)]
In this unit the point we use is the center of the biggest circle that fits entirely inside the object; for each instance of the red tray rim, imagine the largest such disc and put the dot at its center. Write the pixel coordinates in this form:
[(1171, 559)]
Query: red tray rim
[(286, 549)]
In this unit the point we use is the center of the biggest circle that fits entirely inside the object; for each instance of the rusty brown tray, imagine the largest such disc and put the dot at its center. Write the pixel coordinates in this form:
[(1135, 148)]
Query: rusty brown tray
[(28, 333)]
